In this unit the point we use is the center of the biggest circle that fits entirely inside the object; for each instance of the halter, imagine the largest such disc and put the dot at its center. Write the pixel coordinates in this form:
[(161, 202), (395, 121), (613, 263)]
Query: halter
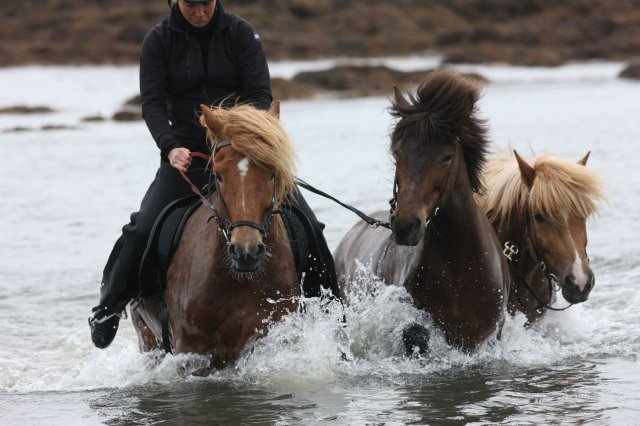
[(225, 225), (510, 249)]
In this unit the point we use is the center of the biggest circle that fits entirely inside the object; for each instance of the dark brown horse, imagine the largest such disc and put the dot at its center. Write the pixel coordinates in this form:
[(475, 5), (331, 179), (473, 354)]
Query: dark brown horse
[(539, 212), (443, 249), (233, 271)]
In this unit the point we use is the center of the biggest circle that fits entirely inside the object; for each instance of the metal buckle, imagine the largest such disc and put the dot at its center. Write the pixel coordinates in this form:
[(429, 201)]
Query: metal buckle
[(510, 250)]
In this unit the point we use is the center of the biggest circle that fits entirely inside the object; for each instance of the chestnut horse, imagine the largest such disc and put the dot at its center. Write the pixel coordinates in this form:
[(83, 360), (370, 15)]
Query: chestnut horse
[(539, 212), (233, 271), (442, 249)]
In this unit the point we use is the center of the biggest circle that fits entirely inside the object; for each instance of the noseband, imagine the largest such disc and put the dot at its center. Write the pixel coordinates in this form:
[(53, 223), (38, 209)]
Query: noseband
[(225, 225)]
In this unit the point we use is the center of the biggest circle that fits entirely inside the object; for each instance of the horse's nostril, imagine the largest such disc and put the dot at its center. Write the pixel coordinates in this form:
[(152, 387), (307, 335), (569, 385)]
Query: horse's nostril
[(570, 280), (260, 250), (591, 282), (233, 251), (407, 232)]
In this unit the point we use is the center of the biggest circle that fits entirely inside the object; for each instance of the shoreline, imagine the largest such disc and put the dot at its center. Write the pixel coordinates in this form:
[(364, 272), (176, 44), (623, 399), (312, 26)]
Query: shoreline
[(495, 72)]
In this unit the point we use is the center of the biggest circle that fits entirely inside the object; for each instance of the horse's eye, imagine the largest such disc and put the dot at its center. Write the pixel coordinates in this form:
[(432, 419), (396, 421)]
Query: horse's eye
[(218, 177), (539, 218), (448, 158), (273, 177)]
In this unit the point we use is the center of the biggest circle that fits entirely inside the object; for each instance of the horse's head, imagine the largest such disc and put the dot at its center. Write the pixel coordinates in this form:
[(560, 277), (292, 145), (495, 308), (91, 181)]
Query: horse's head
[(560, 197), (253, 169), (438, 146)]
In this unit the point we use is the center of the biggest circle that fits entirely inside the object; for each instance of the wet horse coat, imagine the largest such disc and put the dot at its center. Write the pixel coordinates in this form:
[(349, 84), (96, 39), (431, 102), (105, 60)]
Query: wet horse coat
[(442, 249)]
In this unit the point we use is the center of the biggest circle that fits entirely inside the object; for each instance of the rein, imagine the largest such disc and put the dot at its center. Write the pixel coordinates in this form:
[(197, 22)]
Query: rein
[(374, 223)]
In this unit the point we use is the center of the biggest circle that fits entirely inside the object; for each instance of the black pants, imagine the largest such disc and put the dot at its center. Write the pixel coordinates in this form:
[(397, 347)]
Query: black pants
[(120, 279)]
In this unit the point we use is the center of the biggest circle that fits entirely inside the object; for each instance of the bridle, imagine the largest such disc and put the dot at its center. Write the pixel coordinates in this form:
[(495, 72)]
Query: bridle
[(221, 216), (393, 202), (510, 250)]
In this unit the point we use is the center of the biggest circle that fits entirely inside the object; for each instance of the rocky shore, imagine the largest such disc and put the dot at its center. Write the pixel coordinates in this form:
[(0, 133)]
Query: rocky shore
[(523, 32)]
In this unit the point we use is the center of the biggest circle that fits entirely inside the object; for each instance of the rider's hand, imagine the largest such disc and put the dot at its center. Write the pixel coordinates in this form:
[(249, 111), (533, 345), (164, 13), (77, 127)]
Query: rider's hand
[(180, 158)]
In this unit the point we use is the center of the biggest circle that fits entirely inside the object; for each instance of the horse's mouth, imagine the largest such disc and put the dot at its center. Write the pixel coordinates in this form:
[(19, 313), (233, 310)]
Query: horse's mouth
[(246, 268), (574, 296)]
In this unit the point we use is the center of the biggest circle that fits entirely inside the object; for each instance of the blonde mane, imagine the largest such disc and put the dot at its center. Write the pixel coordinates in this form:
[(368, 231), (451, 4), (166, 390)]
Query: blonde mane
[(560, 187), (259, 136)]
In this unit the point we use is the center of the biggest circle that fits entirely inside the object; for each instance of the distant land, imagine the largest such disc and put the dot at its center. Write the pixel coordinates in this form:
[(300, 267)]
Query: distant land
[(520, 32)]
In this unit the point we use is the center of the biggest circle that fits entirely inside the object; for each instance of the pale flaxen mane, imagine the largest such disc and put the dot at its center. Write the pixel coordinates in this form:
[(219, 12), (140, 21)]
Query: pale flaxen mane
[(261, 137), (560, 187)]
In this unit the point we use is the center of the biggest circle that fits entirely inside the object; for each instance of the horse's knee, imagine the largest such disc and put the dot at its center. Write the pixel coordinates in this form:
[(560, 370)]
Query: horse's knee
[(415, 337)]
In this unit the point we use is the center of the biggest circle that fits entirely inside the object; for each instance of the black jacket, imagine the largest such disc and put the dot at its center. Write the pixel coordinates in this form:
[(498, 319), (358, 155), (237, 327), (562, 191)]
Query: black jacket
[(173, 82)]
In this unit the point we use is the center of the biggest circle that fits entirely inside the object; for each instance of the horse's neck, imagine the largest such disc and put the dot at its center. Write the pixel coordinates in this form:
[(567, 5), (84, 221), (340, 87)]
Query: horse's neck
[(458, 218), (454, 234)]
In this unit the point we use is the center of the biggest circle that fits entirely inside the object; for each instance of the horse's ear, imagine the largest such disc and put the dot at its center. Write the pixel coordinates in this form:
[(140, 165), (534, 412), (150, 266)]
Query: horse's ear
[(400, 100), (274, 109), (527, 172), (211, 120), (583, 160)]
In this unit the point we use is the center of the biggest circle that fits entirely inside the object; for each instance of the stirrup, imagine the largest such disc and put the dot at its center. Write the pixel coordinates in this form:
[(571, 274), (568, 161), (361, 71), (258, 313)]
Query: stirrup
[(121, 315)]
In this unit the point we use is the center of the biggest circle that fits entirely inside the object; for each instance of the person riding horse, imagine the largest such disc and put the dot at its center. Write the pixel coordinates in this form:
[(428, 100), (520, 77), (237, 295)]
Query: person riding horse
[(199, 54)]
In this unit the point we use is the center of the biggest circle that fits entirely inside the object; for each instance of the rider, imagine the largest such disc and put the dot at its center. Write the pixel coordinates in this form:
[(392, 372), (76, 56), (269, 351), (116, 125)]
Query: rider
[(199, 54)]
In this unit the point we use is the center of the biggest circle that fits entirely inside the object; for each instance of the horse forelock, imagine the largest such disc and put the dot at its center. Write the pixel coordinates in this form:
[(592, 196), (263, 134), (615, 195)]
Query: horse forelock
[(444, 107), (260, 137), (560, 188), (564, 187)]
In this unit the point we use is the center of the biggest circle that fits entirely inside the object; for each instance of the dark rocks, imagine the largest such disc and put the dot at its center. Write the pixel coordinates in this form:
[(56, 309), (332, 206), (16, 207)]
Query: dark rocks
[(130, 111), (93, 119), (22, 109), (357, 80), (351, 80), (631, 72), (539, 32), (290, 90)]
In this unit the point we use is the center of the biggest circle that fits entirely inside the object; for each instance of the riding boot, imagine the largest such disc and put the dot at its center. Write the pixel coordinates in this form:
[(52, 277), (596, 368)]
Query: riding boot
[(119, 282)]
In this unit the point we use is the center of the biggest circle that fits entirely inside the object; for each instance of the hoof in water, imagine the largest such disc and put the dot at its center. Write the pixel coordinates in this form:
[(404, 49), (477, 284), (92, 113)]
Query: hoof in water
[(416, 340)]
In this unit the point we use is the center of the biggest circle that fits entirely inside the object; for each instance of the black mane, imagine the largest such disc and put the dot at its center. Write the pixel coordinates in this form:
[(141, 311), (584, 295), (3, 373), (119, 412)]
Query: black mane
[(443, 108)]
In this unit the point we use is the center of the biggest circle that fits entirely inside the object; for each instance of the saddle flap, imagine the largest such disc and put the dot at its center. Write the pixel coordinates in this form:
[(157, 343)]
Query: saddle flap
[(162, 243)]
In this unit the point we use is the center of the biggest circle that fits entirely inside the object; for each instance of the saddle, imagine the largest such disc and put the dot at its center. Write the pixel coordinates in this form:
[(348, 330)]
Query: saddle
[(313, 260)]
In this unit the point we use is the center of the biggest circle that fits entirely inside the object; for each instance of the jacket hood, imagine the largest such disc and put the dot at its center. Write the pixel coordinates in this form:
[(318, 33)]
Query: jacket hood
[(178, 23)]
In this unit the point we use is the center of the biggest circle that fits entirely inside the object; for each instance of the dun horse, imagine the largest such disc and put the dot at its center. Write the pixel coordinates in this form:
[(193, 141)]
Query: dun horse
[(539, 212), (233, 271), (443, 249)]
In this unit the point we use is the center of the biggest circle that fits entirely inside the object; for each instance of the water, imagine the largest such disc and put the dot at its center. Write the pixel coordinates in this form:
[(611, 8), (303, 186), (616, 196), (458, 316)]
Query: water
[(66, 194)]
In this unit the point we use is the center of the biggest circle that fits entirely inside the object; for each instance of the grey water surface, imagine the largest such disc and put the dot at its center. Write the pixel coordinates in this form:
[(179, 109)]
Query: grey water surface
[(65, 194)]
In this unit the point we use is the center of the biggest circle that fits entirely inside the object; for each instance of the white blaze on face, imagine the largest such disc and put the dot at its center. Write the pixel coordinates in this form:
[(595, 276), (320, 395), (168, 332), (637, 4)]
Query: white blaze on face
[(243, 166), (578, 271)]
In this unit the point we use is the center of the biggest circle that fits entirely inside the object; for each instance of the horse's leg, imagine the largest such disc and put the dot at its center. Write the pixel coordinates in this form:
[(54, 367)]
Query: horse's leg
[(146, 339), (415, 336)]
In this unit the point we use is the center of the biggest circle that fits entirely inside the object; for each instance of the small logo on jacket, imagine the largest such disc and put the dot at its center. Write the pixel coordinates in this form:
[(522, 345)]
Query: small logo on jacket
[(256, 37)]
